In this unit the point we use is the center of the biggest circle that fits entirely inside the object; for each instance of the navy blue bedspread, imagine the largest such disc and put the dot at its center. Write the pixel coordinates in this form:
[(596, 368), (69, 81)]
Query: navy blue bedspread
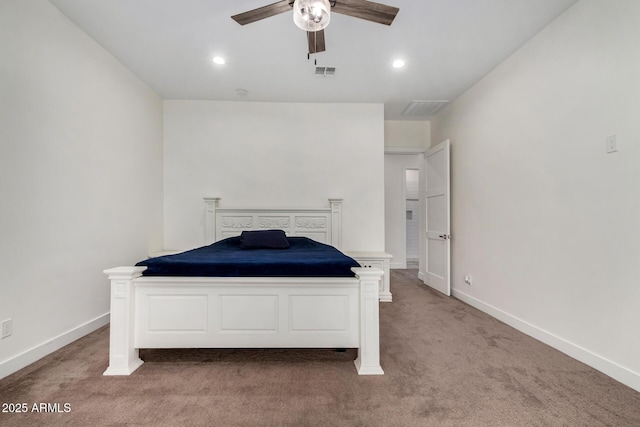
[(304, 258)]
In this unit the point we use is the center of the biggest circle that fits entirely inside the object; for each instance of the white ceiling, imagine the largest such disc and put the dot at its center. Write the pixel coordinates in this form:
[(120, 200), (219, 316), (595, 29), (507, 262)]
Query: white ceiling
[(448, 45)]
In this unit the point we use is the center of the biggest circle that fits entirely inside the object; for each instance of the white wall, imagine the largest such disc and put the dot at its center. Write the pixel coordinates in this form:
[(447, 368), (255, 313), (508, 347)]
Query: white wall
[(542, 218), (80, 178), (274, 155), (407, 135), (395, 166)]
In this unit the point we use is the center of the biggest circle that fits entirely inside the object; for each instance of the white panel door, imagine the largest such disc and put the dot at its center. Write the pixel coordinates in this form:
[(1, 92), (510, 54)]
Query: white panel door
[(437, 246)]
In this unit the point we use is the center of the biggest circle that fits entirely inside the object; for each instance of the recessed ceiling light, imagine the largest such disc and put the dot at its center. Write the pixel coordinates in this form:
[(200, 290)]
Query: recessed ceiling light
[(219, 60), (398, 63)]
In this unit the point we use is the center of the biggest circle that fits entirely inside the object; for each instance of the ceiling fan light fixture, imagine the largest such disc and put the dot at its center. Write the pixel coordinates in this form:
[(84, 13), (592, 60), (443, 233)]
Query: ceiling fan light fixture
[(311, 15)]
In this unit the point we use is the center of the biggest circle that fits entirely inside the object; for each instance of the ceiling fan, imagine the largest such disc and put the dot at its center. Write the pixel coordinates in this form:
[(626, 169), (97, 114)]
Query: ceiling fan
[(313, 15)]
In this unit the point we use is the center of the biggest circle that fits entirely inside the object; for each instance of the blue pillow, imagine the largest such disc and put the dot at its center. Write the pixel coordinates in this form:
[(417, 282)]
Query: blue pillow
[(263, 239)]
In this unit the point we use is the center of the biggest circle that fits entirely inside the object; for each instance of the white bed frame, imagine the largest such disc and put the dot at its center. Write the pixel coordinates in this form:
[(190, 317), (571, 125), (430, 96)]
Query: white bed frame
[(248, 312)]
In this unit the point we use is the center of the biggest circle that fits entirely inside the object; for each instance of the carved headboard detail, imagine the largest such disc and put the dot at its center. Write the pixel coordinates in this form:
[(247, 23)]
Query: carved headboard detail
[(322, 224)]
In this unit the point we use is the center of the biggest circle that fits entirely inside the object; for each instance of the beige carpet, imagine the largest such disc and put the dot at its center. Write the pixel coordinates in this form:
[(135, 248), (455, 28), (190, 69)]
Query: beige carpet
[(446, 364)]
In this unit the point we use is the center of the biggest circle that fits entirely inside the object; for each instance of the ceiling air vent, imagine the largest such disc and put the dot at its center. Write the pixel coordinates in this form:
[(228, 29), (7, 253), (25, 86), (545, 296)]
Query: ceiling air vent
[(423, 108), (325, 71)]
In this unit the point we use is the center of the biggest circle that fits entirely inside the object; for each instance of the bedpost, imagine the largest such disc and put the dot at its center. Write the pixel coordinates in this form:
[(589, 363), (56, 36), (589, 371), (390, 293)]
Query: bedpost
[(123, 357), (368, 360), (211, 204), (336, 222)]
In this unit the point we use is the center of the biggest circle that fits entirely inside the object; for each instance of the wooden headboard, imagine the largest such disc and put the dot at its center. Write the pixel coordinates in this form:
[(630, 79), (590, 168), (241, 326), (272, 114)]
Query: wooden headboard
[(322, 224)]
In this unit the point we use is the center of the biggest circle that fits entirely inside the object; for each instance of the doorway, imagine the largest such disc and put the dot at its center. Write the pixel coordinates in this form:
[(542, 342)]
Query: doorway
[(412, 208)]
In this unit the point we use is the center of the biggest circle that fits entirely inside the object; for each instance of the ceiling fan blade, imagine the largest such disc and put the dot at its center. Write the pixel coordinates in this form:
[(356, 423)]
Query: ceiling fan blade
[(315, 40), (262, 12), (368, 10)]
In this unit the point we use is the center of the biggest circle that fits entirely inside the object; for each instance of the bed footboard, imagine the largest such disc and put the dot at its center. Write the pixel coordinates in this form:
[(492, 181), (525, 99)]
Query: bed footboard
[(235, 312), (123, 354)]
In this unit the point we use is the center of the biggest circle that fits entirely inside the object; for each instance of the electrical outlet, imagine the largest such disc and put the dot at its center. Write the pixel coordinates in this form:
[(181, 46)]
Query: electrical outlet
[(7, 328), (467, 279)]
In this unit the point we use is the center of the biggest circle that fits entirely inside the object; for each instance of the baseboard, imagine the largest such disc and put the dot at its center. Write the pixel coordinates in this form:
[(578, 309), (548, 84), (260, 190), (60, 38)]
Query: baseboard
[(14, 364), (398, 265), (607, 367)]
